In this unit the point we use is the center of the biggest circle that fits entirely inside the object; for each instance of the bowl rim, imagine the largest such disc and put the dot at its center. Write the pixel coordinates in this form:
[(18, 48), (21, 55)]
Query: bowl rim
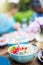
[(22, 55)]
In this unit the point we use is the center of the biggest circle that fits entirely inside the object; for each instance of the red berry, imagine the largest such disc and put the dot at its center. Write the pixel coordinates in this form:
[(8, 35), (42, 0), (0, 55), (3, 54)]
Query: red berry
[(17, 48), (23, 48), (15, 51)]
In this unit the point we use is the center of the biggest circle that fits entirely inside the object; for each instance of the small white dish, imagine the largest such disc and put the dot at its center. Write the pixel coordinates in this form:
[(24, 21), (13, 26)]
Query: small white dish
[(39, 38), (3, 41), (2, 44)]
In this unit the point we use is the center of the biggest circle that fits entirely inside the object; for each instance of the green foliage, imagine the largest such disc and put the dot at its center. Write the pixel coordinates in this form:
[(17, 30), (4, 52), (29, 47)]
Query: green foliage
[(24, 5), (20, 15), (27, 1)]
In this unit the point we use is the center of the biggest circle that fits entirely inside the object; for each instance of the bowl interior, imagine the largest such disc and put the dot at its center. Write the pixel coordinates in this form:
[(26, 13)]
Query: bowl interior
[(12, 47)]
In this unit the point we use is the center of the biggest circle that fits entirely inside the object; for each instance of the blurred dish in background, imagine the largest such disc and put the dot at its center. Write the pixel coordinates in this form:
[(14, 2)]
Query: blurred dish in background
[(40, 56), (3, 41), (20, 35)]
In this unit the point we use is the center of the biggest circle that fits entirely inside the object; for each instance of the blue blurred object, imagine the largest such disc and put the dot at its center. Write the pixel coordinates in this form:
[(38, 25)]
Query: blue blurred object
[(6, 25), (35, 15), (11, 44), (35, 3), (4, 61), (17, 44), (40, 55), (25, 42)]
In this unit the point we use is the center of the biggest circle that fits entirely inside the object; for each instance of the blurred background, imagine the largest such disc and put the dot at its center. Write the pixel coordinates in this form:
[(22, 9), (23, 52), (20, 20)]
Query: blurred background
[(26, 11)]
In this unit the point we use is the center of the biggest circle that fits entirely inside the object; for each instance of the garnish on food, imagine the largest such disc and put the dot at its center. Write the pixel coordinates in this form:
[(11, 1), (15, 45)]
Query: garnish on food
[(22, 50)]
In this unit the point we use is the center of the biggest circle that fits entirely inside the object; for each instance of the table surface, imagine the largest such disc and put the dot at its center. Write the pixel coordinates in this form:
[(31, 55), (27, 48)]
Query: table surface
[(3, 52)]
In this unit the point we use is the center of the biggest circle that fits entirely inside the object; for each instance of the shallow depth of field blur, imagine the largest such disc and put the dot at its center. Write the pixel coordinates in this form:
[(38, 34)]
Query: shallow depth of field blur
[(25, 10)]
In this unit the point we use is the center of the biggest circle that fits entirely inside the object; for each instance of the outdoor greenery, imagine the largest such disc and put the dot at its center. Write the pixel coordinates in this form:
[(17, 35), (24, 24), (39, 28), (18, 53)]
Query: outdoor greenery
[(24, 5), (25, 10), (20, 15)]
